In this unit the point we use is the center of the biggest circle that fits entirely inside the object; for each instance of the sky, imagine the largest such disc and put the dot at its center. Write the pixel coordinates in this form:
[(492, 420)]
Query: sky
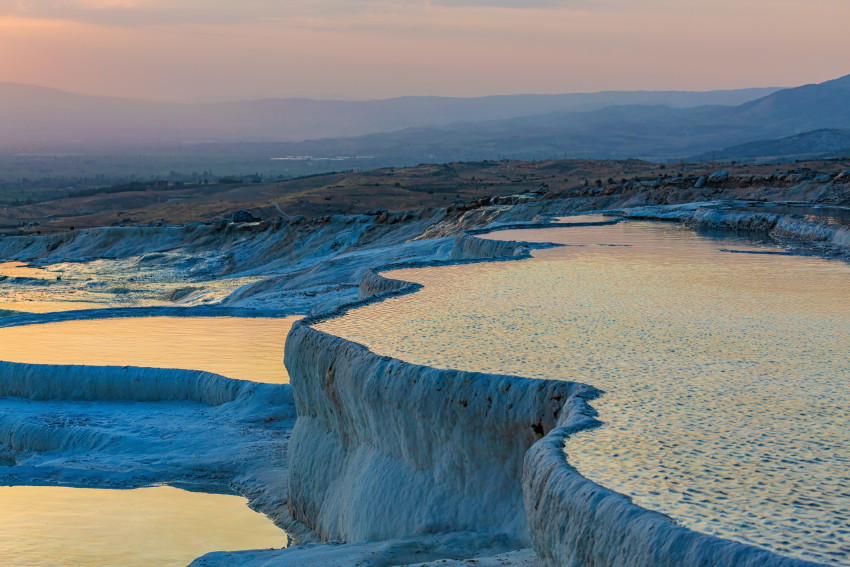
[(361, 49)]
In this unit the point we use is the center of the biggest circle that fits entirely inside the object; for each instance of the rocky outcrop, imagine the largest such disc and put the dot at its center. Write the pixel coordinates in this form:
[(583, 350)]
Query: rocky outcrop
[(131, 383), (372, 284), (468, 246)]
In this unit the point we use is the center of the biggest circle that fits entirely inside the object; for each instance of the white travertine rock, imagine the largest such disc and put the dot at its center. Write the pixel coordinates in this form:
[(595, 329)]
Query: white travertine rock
[(383, 449)]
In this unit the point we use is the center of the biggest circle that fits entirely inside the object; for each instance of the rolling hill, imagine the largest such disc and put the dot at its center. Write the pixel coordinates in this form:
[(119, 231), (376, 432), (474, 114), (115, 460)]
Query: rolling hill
[(655, 132), (824, 143)]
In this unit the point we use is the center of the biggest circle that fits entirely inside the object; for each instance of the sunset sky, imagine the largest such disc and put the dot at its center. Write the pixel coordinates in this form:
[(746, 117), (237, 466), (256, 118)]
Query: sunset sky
[(224, 49)]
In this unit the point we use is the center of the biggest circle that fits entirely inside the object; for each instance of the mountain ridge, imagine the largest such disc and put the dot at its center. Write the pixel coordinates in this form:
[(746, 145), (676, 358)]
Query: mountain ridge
[(824, 143), (33, 115), (652, 132)]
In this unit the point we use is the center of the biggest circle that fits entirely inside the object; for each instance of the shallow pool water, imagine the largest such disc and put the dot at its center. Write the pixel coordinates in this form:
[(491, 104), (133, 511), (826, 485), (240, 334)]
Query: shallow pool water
[(108, 283), (161, 526), (244, 348), (727, 379), (22, 270)]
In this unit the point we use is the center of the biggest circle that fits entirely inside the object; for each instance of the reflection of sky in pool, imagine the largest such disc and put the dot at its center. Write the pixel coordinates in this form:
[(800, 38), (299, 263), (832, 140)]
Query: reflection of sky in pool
[(47, 526), (245, 348), (727, 379)]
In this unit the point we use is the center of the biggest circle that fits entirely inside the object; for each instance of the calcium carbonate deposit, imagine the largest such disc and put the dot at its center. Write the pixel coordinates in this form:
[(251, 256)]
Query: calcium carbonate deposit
[(716, 367), (727, 401)]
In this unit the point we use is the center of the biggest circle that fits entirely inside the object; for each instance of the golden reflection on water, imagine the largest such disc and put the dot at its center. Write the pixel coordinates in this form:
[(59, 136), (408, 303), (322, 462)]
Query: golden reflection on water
[(26, 300), (244, 348), (162, 526), (30, 306), (97, 284), (21, 270), (727, 379)]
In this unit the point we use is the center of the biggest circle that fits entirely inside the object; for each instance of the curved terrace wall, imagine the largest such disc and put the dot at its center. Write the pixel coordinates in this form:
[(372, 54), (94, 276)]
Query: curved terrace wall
[(576, 522), (818, 232), (724, 219), (777, 225), (383, 449), (130, 383)]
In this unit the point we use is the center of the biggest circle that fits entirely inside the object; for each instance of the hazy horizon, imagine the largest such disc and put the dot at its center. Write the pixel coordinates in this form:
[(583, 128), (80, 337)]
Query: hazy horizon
[(211, 98), (361, 50)]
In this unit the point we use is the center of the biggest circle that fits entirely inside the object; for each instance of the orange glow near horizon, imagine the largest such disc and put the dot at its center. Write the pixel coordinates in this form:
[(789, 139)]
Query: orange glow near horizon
[(379, 50)]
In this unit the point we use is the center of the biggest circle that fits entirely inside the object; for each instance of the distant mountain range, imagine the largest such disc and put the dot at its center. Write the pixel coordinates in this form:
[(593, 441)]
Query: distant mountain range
[(825, 143), (655, 132), (757, 124), (41, 116)]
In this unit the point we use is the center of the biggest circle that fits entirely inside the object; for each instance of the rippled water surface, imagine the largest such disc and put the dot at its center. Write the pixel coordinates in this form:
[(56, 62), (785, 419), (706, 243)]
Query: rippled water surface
[(163, 526), (245, 348), (727, 376)]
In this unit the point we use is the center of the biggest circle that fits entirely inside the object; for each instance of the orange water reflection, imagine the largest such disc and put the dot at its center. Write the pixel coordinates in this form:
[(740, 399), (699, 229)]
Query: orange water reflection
[(21, 270), (162, 526), (244, 348)]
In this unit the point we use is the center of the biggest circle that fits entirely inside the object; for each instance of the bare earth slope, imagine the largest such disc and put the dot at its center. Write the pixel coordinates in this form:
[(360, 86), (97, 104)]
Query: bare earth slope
[(395, 189)]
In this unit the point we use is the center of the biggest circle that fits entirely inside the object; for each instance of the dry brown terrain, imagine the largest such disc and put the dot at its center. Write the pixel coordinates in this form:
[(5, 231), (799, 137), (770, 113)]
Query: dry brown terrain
[(356, 192)]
